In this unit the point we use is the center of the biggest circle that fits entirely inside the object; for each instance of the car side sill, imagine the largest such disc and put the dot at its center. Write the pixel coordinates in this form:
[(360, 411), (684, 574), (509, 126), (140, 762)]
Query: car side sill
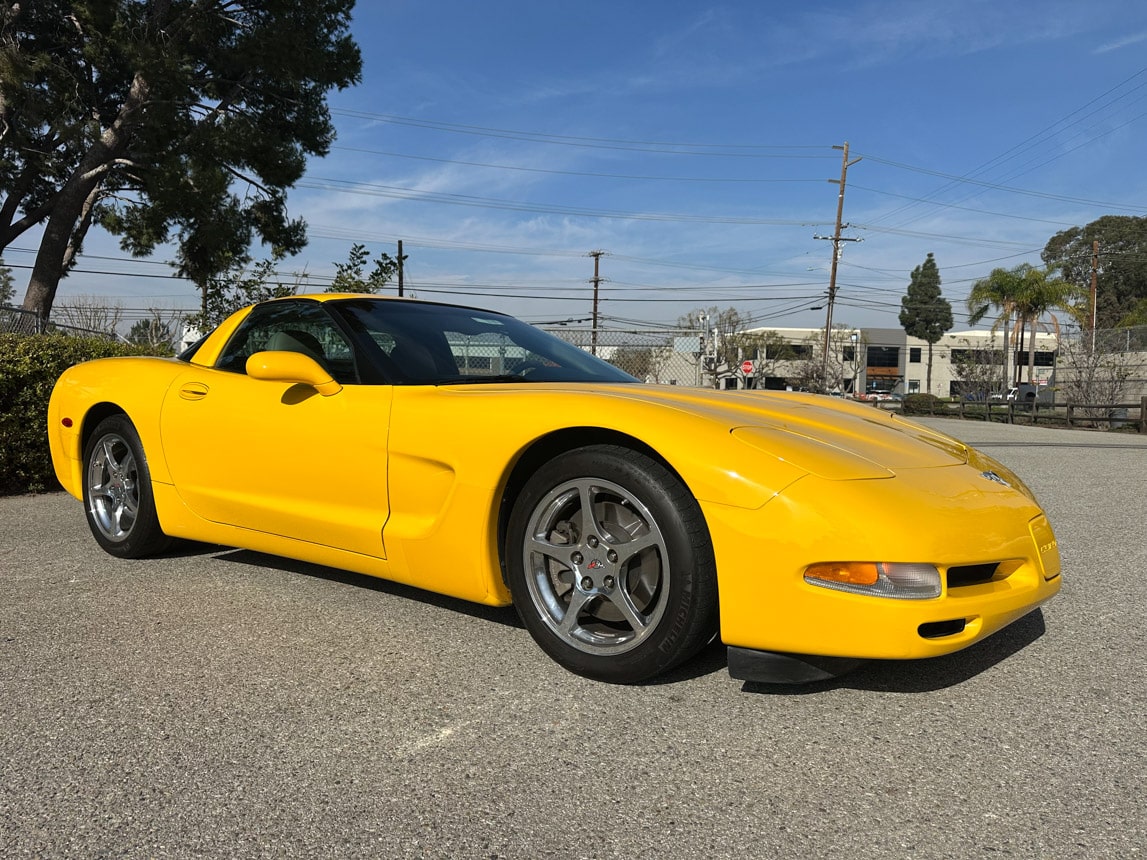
[(775, 667)]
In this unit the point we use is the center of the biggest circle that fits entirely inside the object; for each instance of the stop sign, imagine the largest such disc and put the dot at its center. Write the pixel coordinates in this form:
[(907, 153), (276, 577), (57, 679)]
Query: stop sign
[(746, 366)]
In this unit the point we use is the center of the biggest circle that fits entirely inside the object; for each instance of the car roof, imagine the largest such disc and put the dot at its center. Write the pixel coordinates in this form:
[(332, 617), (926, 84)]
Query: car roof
[(330, 297)]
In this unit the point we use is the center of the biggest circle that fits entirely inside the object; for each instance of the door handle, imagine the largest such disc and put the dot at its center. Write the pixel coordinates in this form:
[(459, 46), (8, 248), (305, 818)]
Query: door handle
[(193, 391)]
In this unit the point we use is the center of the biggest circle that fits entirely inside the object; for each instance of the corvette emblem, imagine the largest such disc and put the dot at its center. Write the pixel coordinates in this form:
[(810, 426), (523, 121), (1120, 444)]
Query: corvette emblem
[(595, 564), (992, 476)]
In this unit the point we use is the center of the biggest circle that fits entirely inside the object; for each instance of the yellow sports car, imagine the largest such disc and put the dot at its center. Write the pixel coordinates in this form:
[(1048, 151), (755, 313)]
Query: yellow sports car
[(465, 452)]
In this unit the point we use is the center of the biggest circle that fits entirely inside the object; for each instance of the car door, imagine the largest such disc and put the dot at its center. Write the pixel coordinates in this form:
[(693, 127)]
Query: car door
[(278, 457)]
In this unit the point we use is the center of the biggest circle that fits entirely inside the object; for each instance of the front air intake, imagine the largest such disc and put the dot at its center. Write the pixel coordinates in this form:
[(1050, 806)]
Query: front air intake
[(940, 629), (971, 574)]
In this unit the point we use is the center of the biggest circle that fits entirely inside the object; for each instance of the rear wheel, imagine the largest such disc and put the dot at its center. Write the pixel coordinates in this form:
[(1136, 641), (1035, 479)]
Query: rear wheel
[(117, 491), (610, 565)]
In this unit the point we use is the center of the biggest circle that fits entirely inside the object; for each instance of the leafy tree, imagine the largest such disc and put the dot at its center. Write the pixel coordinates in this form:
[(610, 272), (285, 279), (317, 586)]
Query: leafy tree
[(7, 285), (1122, 277), (241, 286), (350, 276), (1137, 316), (154, 332), (141, 116), (924, 312)]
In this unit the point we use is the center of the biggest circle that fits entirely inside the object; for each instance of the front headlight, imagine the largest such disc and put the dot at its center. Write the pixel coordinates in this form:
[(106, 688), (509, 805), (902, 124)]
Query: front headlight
[(878, 579)]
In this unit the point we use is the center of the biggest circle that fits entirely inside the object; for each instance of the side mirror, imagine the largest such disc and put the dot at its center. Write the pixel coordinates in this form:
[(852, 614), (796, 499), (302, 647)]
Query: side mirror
[(276, 366)]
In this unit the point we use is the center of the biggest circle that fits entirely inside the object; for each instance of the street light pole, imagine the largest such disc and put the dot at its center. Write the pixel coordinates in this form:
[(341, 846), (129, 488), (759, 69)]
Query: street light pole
[(855, 338)]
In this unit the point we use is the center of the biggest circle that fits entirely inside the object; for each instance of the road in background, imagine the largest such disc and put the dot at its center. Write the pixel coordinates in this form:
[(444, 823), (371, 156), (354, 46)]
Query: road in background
[(223, 703)]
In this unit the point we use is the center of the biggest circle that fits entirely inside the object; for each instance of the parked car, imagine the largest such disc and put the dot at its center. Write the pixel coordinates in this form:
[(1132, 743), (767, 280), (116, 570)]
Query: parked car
[(465, 452), (1027, 392)]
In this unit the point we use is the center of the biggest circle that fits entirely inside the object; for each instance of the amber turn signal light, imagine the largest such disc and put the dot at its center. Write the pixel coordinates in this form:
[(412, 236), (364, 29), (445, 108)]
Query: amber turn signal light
[(853, 572)]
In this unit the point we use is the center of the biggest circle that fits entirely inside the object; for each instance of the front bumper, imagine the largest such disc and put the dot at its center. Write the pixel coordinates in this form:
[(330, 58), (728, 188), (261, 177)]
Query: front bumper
[(949, 517)]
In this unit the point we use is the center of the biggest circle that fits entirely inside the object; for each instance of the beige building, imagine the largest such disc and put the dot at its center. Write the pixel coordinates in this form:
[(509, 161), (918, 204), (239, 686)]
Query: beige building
[(887, 361)]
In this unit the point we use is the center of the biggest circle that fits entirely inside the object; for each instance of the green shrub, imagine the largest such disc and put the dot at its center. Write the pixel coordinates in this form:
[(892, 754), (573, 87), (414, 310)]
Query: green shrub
[(29, 367), (923, 404)]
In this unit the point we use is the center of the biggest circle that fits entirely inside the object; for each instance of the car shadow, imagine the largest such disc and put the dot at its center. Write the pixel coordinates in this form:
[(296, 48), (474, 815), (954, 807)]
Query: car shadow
[(710, 659), (923, 676), (886, 676), (504, 615)]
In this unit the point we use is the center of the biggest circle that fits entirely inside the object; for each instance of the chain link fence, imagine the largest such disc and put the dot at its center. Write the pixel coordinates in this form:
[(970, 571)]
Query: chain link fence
[(1103, 371), (19, 321), (665, 356)]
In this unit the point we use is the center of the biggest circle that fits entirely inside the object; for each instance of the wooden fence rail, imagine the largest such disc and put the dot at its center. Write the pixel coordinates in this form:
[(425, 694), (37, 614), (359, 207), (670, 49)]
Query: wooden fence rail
[(1114, 415)]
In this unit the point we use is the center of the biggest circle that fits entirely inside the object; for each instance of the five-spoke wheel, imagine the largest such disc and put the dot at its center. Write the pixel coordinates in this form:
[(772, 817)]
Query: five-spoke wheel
[(610, 564), (117, 491)]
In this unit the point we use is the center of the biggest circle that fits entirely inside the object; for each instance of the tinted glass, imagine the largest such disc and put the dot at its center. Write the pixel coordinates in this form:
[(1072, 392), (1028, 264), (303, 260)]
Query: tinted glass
[(418, 343), (295, 326)]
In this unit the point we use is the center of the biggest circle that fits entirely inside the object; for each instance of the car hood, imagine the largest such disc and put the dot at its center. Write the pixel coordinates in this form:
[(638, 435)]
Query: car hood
[(826, 436)]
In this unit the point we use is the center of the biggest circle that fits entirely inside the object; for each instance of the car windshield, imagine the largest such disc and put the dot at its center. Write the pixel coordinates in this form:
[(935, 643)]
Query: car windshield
[(428, 344)]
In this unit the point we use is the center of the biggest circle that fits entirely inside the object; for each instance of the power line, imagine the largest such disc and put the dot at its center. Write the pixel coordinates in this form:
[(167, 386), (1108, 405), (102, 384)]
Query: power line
[(1042, 195), (964, 208), (400, 193), (1025, 145)]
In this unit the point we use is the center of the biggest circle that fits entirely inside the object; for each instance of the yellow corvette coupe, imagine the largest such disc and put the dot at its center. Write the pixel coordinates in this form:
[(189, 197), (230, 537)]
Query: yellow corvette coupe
[(465, 452)]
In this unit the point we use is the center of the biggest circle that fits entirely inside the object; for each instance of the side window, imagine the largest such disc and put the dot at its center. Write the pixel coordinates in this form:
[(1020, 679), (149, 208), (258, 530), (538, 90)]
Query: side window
[(294, 327)]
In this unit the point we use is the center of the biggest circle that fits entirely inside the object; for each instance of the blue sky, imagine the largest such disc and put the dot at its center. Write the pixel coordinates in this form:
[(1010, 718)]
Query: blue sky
[(693, 142)]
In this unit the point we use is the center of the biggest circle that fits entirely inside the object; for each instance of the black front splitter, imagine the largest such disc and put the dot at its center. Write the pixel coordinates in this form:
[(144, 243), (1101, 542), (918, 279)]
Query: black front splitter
[(775, 667)]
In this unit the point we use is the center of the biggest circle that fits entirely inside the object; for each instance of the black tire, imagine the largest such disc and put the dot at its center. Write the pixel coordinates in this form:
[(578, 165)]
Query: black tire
[(118, 498), (639, 578)]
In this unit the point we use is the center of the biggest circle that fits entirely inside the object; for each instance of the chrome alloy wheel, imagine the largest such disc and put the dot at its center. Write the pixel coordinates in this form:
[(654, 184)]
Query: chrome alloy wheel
[(113, 487), (596, 566)]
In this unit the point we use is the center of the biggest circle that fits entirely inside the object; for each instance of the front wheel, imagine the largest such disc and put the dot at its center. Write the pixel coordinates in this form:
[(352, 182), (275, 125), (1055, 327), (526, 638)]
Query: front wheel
[(610, 565), (117, 491)]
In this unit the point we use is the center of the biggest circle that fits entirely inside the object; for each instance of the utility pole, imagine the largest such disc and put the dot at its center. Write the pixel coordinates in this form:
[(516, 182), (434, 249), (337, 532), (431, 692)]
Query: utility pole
[(836, 240), (596, 284), (1094, 289), (400, 259)]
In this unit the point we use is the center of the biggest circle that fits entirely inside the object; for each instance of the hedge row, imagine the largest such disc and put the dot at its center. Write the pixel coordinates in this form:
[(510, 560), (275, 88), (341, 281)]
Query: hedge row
[(923, 404), (29, 367)]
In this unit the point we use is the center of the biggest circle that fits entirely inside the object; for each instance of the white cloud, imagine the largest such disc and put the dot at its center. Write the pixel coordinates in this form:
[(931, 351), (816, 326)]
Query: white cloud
[(1121, 43)]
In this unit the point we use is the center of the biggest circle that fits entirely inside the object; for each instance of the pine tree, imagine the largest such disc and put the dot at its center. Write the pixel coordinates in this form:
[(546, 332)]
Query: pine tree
[(924, 312)]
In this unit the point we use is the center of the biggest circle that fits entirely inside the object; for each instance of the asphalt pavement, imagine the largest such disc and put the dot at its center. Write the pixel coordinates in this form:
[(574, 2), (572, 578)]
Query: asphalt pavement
[(223, 703)]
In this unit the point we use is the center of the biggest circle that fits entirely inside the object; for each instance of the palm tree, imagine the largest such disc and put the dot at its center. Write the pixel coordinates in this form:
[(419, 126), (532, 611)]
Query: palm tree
[(999, 291), (1039, 291)]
